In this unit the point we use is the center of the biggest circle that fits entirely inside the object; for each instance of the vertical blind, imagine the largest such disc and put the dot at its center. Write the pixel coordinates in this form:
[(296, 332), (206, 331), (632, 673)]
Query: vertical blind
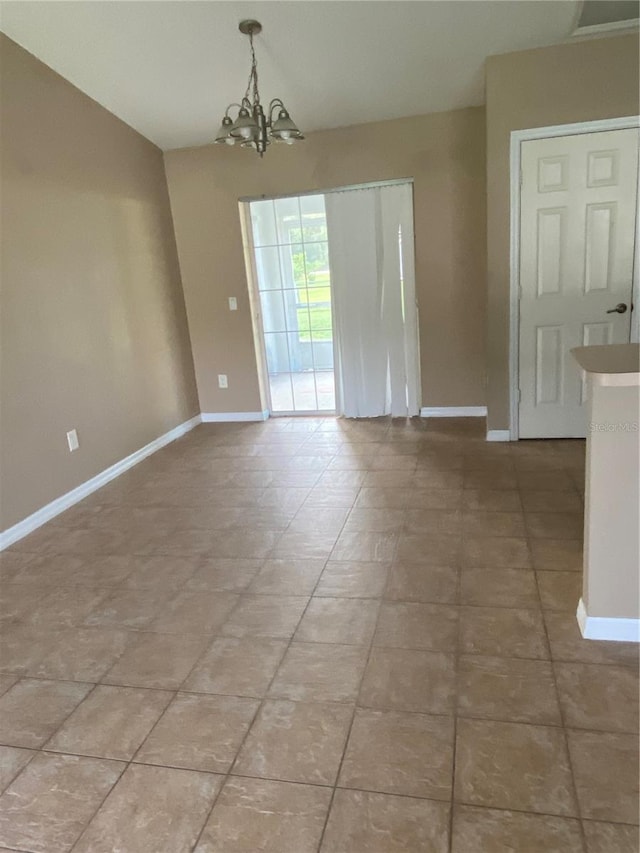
[(371, 258)]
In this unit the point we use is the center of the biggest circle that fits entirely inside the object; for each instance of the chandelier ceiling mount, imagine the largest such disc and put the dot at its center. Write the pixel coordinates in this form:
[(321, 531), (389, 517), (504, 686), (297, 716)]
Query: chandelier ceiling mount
[(250, 27)]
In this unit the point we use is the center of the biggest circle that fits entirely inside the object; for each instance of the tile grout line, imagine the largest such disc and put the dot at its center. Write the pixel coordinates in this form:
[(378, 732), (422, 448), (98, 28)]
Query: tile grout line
[(540, 611), (355, 705), (574, 788), (565, 736), (259, 708), (131, 761), (57, 729), (384, 709), (348, 733), (456, 676), (101, 803), (15, 776), (260, 704)]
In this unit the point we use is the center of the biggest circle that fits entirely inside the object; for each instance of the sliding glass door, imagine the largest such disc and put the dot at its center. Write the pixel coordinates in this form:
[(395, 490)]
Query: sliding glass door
[(292, 270)]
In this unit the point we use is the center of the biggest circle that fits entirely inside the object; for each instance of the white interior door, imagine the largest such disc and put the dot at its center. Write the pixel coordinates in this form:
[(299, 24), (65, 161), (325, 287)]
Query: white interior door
[(578, 221)]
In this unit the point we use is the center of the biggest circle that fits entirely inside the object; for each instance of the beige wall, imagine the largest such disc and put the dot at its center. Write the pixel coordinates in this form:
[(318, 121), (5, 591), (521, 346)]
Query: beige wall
[(443, 152), (94, 334), (588, 80)]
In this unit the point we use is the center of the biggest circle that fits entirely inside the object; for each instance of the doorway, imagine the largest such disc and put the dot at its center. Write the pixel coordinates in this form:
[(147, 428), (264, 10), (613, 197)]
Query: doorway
[(575, 209), (332, 285), (293, 307)]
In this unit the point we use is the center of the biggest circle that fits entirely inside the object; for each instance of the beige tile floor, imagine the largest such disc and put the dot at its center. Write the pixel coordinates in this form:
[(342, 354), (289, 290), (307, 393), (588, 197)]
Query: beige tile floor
[(316, 635)]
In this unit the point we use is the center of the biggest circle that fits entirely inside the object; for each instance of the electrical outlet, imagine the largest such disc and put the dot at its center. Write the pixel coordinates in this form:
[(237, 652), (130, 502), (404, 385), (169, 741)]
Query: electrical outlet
[(72, 440), (233, 303), (223, 382)]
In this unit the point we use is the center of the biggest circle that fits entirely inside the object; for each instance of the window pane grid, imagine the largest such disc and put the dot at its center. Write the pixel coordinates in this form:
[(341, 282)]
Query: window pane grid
[(297, 328), (304, 337)]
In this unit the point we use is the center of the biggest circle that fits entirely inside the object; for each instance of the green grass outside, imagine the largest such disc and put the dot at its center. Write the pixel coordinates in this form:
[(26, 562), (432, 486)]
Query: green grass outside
[(314, 296), (320, 324), (317, 279), (317, 319)]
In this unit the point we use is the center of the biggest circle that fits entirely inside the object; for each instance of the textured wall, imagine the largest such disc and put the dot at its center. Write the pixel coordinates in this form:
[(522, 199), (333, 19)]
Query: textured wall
[(443, 152), (568, 83), (94, 333)]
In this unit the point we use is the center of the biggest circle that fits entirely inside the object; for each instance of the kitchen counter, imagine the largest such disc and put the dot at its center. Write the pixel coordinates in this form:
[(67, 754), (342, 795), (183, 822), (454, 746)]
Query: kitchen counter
[(610, 605), (612, 364)]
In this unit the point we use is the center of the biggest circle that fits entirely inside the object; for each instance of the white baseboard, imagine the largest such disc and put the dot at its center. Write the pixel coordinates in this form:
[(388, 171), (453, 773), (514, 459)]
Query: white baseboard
[(606, 628), (46, 513), (498, 435), (233, 417), (454, 412)]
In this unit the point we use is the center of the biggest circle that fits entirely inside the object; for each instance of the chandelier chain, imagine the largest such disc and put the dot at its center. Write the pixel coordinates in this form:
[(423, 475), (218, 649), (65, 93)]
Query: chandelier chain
[(253, 74)]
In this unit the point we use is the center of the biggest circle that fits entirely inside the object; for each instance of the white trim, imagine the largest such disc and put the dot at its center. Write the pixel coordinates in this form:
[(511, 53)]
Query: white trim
[(634, 331), (306, 413), (609, 28), (595, 126), (498, 435), (233, 417), (517, 138), (348, 188), (46, 513), (454, 412), (607, 628), (259, 345)]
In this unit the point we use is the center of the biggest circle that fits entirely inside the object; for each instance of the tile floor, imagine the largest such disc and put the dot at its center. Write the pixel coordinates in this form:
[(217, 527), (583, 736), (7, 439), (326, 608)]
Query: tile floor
[(316, 635)]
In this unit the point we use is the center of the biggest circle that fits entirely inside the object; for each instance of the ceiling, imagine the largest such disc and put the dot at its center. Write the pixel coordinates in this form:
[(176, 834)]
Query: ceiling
[(169, 68)]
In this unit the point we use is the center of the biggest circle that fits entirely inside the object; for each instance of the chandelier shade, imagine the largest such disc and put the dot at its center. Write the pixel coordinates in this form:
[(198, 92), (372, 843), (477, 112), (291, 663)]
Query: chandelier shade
[(283, 128), (253, 127), (224, 133), (245, 126)]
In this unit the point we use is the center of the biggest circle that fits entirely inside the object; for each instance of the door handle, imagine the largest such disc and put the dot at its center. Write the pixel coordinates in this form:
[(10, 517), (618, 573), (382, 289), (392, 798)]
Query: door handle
[(619, 309)]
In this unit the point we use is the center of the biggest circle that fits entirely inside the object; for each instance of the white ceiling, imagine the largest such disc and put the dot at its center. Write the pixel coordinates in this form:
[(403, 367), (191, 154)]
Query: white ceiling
[(170, 68)]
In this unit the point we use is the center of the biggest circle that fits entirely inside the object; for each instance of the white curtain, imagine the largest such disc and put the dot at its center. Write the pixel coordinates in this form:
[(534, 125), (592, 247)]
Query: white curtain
[(377, 365)]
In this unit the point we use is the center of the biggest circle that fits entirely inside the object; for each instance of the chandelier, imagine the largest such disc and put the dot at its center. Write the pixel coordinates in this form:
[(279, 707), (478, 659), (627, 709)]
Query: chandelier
[(252, 127)]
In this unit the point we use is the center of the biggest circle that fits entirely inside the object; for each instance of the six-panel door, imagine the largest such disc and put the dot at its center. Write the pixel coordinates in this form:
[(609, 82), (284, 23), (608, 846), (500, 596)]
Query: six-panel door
[(578, 221)]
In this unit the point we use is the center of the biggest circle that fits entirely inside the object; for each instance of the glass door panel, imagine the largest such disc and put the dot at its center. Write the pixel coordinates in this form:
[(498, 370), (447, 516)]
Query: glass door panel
[(292, 265), (268, 268), (287, 214), (263, 223), (273, 313), (313, 218)]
